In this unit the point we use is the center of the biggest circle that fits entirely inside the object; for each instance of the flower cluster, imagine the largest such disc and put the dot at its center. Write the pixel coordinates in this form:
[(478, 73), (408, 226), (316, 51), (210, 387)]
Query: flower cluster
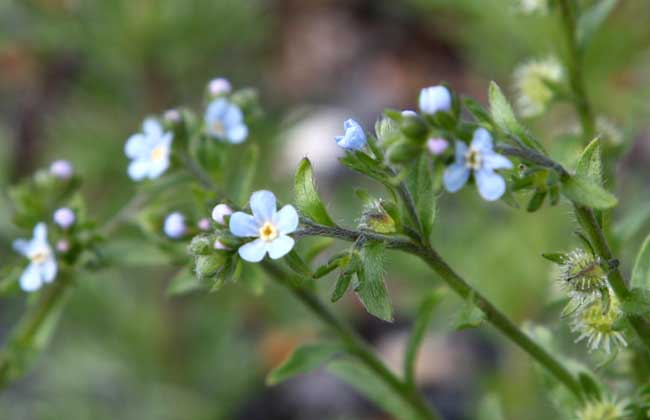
[(531, 83)]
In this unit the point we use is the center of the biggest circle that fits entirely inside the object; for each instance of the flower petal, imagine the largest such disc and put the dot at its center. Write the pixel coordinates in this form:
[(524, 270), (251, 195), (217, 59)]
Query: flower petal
[(40, 233), (490, 185), (482, 140), (263, 206), (280, 246), (232, 115), (157, 168), (138, 169), (460, 152), (354, 137), (455, 176), (22, 246), (237, 134), (152, 128), (136, 146), (243, 225), (215, 110), (48, 270), (496, 161), (286, 220), (30, 279), (254, 251)]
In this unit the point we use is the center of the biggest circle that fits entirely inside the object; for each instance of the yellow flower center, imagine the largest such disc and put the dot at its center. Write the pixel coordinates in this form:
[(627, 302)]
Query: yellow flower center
[(158, 153), (268, 232), (473, 159), (218, 129), (40, 256)]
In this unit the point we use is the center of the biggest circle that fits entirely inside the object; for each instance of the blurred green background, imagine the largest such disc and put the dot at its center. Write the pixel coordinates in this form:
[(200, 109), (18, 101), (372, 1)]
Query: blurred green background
[(78, 76)]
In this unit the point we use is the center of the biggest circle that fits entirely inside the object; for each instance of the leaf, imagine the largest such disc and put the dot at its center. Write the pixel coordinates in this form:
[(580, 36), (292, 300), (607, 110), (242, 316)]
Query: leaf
[(504, 117), (470, 315), (641, 270), (307, 199), (556, 257), (342, 285), (637, 302), (366, 382), (536, 201), (304, 359), (296, 263), (633, 221), (422, 321), (587, 193), (246, 168), (589, 165), (591, 19), (421, 184), (183, 282), (477, 110), (372, 289), (589, 385)]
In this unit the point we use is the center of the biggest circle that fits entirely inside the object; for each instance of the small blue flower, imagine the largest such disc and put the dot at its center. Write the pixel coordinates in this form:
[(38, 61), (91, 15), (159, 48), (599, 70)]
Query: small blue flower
[(225, 121), (42, 267), (149, 151), (480, 158), (270, 226), (434, 99), (354, 137), (64, 217), (174, 226)]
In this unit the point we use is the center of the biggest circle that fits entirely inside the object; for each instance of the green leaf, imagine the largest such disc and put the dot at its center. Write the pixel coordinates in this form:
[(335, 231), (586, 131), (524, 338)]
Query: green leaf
[(587, 193), (420, 181), (307, 199), (372, 289), (637, 303), (297, 264), (589, 165), (590, 385), (536, 201), (477, 110), (247, 165), (633, 221), (469, 316), (422, 321), (342, 285), (592, 18), (183, 282), (366, 382), (556, 257), (641, 270), (304, 359)]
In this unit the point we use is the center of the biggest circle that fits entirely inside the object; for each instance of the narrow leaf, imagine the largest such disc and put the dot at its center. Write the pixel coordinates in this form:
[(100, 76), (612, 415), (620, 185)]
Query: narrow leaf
[(585, 192), (372, 290), (504, 117), (420, 181), (637, 303), (425, 313), (589, 165), (469, 316), (183, 282), (297, 264), (304, 359), (641, 271), (241, 184), (306, 196), (592, 18)]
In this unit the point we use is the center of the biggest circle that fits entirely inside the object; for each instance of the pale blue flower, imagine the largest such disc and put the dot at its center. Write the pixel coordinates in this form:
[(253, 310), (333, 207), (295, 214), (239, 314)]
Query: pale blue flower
[(354, 137), (64, 217), (219, 86), (270, 227), (174, 226), (225, 121), (149, 151), (482, 160), (62, 169), (42, 267), (219, 212), (434, 99)]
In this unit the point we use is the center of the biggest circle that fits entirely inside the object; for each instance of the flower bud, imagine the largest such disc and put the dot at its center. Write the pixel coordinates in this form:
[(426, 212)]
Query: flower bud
[(203, 224), (434, 99), (437, 146), (61, 169), (377, 219), (63, 246), (219, 213), (219, 246), (174, 226), (414, 127), (64, 217), (403, 151), (172, 116), (207, 266), (219, 86), (200, 245)]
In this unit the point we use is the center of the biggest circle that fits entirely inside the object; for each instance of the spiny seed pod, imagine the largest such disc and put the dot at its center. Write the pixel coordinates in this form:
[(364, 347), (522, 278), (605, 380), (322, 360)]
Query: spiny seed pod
[(375, 218), (597, 323), (605, 409), (582, 275)]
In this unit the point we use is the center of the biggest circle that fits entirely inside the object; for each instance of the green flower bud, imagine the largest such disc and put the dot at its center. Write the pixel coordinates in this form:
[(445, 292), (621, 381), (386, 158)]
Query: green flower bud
[(207, 266), (403, 151), (200, 245), (375, 218), (414, 127)]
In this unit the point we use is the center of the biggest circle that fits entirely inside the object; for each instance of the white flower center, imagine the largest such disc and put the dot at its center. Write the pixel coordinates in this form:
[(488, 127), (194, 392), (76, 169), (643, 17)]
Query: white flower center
[(218, 129), (473, 159), (158, 153), (40, 255), (268, 232)]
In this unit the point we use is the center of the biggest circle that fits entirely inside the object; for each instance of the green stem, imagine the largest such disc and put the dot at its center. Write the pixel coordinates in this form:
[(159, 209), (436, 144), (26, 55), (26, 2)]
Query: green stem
[(462, 288), (355, 345), (574, 67), (198, 173)]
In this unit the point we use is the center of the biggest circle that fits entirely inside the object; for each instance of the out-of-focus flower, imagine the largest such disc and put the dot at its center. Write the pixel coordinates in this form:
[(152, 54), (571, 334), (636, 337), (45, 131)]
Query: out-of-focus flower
[(64, 217), (62, 169), (603, 409), (435, 98), (42, 266), (597, 322), (225, 121), (219, 86), (409, 113), (609, 132), (149, 151), (354, 137), (219, 246), (63, 246), (219, 212), (174, 226), (533, 94), (437, 146), (203, 224), (481, 159), (269, 226), (533, 6), (172, 116)]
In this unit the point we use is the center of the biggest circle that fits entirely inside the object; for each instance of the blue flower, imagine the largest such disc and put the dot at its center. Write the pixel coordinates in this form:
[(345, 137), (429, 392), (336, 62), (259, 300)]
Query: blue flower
[(42, 267), (64, 217), (354, 137), (174, 226), (149, 151), (270, 227), (225, 121), (434, 99), (480, 158)]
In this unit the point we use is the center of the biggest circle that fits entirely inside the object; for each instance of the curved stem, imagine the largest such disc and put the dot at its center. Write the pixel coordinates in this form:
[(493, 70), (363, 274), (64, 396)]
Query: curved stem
[(462, 288), (355, 345)]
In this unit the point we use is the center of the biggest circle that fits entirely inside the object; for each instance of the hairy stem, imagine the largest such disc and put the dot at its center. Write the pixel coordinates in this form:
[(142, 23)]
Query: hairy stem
[(462, 288), (355, 345)]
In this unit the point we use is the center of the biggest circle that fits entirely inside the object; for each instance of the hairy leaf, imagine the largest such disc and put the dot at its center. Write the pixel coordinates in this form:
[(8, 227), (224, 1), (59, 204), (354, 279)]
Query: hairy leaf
[(304, 359), (306, 196), (585, 192), (372, 289)]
